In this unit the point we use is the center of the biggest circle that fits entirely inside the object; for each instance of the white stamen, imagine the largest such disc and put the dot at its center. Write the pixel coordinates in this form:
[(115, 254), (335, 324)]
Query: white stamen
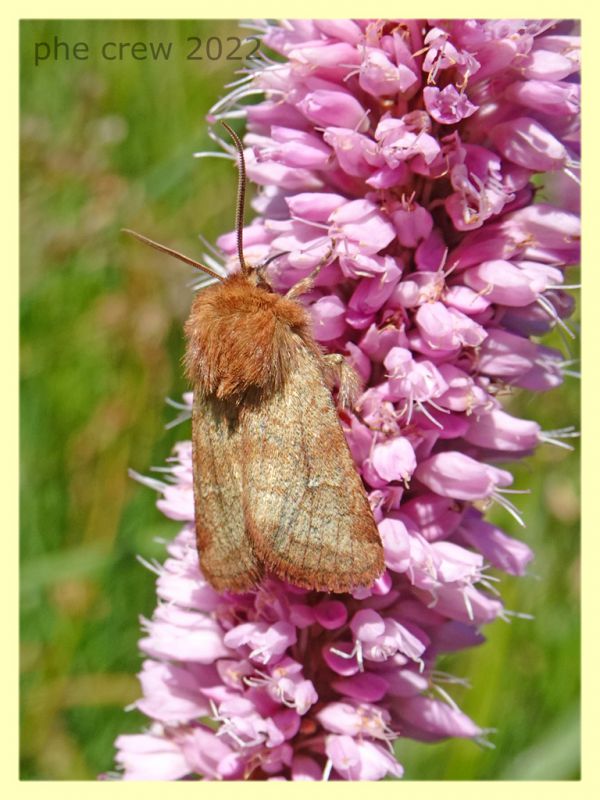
[(489, 586), (234, 114), (245, 79), (564, 433), (545, 303), (438, 408), (432, 592), (156, 568), (175, 403), (351, 74), (158, 486), (468, 605), (423, 410), (321, 225), (327, 770), (356, 652), (239, 94), (443, 693), (508, 506), (213, 154), (446, 677), (285, 701), (410, 407), (484, 742), (556, 442), (361, 120), (519, 614), (202, 283)]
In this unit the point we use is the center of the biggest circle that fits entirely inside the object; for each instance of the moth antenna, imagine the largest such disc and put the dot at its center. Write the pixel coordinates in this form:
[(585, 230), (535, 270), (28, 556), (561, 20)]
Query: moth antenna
[(175, 253), (241, 196), (270, 259), (261, 268)]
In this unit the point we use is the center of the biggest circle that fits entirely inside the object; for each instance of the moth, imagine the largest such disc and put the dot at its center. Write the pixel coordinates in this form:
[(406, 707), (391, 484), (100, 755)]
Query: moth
[(275, 487)]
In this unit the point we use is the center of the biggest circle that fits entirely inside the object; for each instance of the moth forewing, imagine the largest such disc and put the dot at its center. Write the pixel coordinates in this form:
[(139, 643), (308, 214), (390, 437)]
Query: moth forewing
[(226, 554), (305, 507)]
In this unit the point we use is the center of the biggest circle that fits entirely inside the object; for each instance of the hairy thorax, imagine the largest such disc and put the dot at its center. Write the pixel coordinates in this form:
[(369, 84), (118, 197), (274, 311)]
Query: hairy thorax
[(241, 336)]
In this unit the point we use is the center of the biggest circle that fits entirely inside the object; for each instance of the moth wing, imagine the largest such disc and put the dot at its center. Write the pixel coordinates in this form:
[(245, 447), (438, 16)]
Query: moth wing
[(306, 509), (226, 553)]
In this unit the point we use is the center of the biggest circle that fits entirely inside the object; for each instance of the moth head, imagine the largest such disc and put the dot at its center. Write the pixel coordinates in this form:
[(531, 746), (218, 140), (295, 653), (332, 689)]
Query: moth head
[(258, 275)]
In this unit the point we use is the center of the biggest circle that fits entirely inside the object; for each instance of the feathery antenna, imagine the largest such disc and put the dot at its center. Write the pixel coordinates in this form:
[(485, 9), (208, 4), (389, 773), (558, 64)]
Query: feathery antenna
[(175, 253), (241, 196)]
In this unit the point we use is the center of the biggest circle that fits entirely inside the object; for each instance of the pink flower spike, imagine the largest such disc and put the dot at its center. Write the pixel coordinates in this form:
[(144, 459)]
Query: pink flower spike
[(363, 761), (547, 64), (502, 282), (208, 755), (367, 625), (183, 635), (413, 223), (161, 703), (547, 97), (364, 687), (500, 550), (527, 143), (407, 161), (314, 206), (354, 719), (396, 544), (437, 720), (394, 460), (177, 503), (298, 149), (341, 659), (305, 768), (447, 106), (324, 107), (356, 153), (328, 315), (344, 755), (150, 756), (362, 228), (379, 77), (266, 642), (376, 762), (326, 55), (331, 614), (453, 474), (498, 430)]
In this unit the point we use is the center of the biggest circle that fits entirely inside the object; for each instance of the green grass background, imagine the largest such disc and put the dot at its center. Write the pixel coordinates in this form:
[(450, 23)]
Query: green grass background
[(109, 144)]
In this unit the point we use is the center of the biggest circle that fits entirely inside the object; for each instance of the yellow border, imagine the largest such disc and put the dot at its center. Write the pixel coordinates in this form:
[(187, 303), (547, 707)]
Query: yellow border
[(8, 398)]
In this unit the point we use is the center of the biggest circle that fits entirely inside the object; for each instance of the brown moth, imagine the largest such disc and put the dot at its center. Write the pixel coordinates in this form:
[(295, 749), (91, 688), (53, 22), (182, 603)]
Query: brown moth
[(275, 487)]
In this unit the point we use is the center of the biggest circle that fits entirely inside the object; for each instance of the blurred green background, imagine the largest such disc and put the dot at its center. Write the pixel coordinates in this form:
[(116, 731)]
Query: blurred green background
[(106, 144)]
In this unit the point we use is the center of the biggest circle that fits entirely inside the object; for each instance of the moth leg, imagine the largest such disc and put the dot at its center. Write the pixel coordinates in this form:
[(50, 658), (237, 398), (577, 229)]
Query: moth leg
[(339, 372), (306, 284)]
